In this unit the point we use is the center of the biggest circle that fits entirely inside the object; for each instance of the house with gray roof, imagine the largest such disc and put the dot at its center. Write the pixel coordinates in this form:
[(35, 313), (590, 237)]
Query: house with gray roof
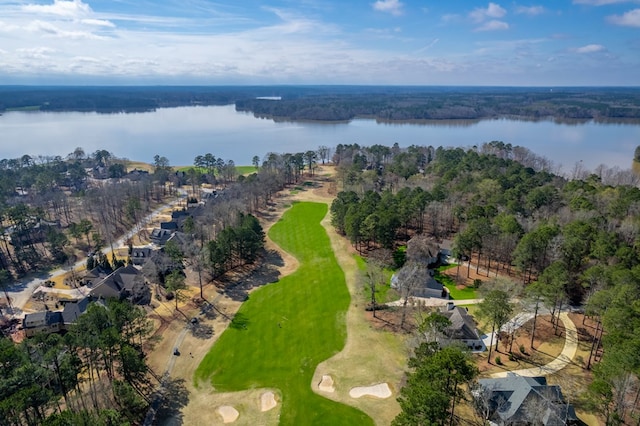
[(126, 282), (463, 327), (518, 400), (42, 322), (139, 255), (160, 236), (55, 321), (428, 287)]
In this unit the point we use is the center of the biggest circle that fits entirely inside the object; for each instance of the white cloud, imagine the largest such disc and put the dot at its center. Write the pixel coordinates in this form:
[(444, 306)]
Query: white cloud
[(590, 48), (530, 10), (98, 22), (628, 19), (493, 25), (393, 7), (35, 52), (74, 8), (493, 10), (52, 30)]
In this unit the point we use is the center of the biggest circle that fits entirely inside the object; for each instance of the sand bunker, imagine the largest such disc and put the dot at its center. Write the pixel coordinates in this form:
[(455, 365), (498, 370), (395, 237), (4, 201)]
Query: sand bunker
[(326, 384), (228, 413), (381, 390), (267, 401)]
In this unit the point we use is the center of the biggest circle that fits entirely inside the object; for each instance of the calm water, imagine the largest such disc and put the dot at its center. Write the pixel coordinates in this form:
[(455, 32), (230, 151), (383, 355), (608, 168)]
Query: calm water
[(182, 133)]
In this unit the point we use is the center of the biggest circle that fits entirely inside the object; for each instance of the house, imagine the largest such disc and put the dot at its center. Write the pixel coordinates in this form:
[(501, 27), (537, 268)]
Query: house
[(160, 236), (42, 322), (429, 287), (180, 239), (445, 251), (94, 276), (55, 322), (100, 172), (463, 327), (32, 232), (125, 282), (136, 175), (139, 255), (169, 226), (425, 250), (518, 400), (73, 310), (179, 214)]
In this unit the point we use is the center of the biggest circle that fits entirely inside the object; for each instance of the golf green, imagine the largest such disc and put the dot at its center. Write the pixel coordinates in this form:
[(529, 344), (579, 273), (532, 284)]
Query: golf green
[(287, 328)]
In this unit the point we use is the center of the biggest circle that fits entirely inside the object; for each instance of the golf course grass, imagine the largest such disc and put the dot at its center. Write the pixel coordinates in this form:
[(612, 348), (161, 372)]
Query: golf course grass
[(287, 328)]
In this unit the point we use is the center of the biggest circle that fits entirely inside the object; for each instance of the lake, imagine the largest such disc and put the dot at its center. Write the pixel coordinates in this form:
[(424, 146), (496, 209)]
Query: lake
[(182, 133)]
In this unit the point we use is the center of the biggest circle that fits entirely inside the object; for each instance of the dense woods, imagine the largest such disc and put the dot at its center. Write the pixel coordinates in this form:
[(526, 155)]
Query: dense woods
[(567, 240), (95, 374), (340, 103)]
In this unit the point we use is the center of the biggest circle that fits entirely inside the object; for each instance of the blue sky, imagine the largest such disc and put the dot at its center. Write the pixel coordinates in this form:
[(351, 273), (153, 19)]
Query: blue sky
[(539, 43)]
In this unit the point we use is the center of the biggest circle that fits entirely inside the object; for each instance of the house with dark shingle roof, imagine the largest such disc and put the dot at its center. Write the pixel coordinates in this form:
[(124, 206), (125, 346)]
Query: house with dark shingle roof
[(169, 226), (160, 236), (126, 282), (42, 322), (73, 310), (94, 276), (139, 255), (463, 327), (54, 322), (523, 401)]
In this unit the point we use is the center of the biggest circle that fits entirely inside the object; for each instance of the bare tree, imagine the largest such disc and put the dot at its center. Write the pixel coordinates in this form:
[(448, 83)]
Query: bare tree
[(409, 278), (373, 279)]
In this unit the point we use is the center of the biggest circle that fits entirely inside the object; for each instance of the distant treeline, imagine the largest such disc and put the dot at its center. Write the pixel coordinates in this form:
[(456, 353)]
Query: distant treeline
[(342, 103)]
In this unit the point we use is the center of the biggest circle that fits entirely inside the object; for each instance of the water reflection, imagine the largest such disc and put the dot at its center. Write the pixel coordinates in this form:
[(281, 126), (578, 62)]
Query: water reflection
[(182, 133)]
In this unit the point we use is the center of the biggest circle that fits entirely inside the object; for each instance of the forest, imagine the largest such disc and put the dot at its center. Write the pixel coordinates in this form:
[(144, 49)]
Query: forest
[(565, 241), (342, 103)]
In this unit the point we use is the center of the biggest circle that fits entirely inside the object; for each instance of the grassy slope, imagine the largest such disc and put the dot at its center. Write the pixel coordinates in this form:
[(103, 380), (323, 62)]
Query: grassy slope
[(292, 326)]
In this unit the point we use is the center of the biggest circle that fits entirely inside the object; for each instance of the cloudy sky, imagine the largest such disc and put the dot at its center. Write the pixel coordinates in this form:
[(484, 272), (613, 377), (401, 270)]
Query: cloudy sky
[(458, 42)]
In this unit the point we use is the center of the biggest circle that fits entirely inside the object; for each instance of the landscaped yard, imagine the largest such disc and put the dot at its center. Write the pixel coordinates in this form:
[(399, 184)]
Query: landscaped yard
[(457, 292), (287, 328)]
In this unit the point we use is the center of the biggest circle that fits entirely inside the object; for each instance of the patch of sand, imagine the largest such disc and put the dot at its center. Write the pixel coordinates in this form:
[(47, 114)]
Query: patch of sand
[(326, 384), (381, 390), (267, 401), (228, 413)]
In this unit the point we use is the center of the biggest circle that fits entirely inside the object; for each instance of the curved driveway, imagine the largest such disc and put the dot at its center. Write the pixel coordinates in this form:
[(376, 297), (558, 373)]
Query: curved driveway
[(565, 357)]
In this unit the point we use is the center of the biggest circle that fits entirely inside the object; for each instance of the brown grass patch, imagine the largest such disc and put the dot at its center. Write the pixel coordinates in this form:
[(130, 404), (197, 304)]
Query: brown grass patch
[(547, 346)]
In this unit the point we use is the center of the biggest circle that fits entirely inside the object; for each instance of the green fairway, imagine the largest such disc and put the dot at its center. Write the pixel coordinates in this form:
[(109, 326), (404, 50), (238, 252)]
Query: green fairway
[(246, 170), (287, 328)]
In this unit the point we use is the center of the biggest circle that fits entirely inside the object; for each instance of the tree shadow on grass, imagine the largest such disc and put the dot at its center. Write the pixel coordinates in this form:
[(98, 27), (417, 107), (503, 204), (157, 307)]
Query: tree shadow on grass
[(175, 398), (240, 321), (267, 272)]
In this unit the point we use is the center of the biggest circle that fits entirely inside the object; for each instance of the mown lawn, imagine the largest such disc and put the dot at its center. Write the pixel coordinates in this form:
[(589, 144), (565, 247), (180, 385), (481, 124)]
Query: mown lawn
[(450, 284), (287, 328)]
